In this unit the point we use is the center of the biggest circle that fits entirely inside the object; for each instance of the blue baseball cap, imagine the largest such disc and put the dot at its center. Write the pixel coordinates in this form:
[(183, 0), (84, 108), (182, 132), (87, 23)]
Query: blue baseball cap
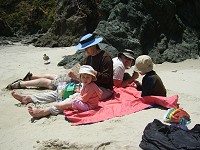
[(87, 41)]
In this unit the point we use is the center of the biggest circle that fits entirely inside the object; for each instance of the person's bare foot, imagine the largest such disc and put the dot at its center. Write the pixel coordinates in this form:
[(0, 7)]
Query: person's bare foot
[(23, 99), (38, 113)]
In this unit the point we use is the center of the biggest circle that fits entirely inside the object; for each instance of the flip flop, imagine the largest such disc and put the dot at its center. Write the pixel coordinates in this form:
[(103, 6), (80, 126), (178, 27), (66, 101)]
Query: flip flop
[(27, 77), (14, 85), (9, 85)]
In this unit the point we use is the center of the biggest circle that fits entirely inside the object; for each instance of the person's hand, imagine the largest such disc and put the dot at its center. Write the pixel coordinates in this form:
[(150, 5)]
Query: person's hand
[(77, 90), (132, 85), (135, 75), (71, 75)]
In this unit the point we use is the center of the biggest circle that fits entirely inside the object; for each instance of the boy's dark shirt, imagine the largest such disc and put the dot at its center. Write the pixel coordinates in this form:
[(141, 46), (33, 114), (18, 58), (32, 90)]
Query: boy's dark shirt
[(102, 63), (152, 85)]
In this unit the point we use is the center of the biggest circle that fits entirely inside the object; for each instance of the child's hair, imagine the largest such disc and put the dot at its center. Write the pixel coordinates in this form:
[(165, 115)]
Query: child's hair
[(143, 64), (88, 70)]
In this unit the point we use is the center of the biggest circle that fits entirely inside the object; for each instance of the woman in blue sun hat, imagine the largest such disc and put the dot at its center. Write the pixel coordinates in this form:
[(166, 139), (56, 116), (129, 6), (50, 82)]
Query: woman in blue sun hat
[(100, 60)]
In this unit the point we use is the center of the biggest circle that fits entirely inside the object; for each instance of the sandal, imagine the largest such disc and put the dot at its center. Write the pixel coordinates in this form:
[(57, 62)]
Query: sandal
[(27, 77), (14, 85)]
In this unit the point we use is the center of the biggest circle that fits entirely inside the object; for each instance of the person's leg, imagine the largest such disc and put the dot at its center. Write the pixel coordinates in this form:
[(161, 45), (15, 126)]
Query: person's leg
[(107, 93), (31, 80), (41, 82), (35, 98), (66, 104), (80, 105), (22, 98), (74, 104), (54, 110), (44, 97), (39, 112), (47, 76), (58, 108), (62, 105)]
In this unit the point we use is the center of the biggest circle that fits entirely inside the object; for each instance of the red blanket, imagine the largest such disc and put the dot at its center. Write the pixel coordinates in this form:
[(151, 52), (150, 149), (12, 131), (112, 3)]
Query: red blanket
[(124, 101)]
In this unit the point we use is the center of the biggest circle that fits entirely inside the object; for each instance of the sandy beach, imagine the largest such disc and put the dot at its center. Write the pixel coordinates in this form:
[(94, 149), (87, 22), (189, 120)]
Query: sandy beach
[(19, 132)]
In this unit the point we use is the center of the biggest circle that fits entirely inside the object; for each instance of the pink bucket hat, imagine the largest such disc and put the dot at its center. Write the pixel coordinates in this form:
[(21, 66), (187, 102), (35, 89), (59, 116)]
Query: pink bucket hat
[(143, 64), (88, 70)]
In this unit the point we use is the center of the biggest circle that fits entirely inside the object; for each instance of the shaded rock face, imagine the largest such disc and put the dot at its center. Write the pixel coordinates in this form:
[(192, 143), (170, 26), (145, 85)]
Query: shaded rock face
[(167, 30), (27, 17), (78, 57), (156, 28), (72, 20), (5, 30)]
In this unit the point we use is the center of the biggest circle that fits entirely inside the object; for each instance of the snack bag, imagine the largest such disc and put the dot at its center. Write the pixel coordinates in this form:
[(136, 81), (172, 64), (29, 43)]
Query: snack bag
[(178, 116), (68, 90), (64, 90), (59, 91)]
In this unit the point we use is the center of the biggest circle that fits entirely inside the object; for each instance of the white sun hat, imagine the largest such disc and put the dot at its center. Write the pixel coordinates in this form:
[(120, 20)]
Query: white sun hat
[(143, 64), (88, 70)]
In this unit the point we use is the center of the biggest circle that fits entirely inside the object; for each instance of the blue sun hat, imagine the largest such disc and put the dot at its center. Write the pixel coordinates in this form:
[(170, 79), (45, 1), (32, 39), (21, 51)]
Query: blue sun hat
[(88, 70), (87, 41)]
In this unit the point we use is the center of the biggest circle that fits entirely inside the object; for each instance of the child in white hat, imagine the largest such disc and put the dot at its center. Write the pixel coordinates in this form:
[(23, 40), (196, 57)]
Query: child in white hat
[(88, 98), (151, 82)]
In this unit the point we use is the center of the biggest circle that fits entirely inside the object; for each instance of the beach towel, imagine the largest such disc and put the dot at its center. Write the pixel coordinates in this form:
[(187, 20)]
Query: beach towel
[(123, 102)]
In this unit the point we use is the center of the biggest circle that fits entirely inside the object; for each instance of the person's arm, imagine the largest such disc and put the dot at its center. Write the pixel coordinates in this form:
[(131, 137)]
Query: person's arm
[(73, 76), (73, 73), (85, 97), (106, 72), (121, 83), (88, 92)]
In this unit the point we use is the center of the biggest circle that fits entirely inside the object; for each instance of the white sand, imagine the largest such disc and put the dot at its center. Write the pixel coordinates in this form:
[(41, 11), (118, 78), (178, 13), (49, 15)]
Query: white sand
[(18, 133)]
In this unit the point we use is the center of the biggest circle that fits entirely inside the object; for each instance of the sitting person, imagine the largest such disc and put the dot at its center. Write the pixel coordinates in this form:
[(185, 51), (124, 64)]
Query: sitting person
[(151, 82), (120, 64), (100, 60), (88, 98)]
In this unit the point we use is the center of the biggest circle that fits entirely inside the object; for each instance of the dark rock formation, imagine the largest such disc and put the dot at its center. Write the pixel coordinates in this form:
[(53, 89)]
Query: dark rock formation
[(167, 30), (152, 27), (71, 60), (163, 29), (5, 29), (72, 20), (27, 17)]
